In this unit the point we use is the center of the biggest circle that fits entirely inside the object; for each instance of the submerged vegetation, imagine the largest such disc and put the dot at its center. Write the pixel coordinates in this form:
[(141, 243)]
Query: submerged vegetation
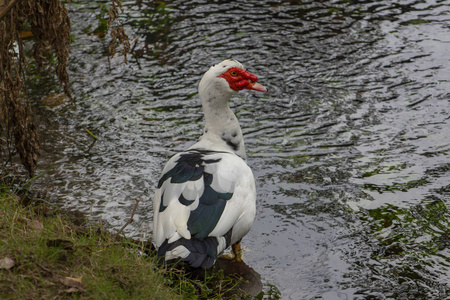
[(421, 230), (406, 242)]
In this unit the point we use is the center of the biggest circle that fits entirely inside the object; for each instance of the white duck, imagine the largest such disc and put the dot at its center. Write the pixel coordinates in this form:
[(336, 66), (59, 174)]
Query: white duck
[(205, 200)]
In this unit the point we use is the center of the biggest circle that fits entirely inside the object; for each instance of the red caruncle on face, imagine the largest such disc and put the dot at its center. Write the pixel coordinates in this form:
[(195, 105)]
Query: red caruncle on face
[(239, 79)]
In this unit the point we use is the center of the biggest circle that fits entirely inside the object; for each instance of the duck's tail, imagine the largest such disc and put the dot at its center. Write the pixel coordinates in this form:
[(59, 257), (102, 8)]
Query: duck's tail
[(197, 253)]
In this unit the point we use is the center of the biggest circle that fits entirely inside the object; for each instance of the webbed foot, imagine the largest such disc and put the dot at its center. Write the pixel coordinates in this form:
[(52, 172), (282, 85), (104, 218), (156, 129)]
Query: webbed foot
[(236, 253)]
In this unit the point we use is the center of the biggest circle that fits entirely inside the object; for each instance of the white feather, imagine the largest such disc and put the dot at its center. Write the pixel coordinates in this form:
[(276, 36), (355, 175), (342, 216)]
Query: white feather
[(240, 210), (222, 244), (193, 189), (179, 251)]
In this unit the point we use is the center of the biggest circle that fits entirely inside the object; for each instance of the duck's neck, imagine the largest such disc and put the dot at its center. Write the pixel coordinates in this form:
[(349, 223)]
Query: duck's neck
[(222, 131)]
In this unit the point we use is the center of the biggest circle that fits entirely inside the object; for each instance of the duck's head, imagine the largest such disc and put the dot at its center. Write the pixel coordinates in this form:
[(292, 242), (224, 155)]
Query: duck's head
[(229, 77)]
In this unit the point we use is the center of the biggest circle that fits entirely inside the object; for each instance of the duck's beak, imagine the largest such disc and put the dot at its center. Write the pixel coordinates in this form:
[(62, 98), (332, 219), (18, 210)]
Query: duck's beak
[(256, 86)]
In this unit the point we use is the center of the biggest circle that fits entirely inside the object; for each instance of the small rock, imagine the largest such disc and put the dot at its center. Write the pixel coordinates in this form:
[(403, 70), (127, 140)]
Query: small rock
[(251, 283), (6, 263)]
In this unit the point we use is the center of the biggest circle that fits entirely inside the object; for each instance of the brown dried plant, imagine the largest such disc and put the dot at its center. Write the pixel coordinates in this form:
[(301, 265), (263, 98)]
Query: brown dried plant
[(50, 25), (117, 33)]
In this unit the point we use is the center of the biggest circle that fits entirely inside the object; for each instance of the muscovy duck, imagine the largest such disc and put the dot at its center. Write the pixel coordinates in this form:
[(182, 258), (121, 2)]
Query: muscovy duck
[(205, 198)]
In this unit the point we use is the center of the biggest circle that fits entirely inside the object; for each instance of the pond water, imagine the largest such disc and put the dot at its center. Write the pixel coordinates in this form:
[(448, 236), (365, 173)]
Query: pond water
[(350, 147)]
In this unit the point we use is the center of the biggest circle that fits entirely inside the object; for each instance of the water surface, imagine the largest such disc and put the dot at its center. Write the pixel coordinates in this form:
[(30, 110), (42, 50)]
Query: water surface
[(349, 147)]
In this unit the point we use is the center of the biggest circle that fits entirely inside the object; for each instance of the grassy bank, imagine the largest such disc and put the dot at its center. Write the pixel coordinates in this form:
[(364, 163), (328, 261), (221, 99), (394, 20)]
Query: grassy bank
[(45, 254)]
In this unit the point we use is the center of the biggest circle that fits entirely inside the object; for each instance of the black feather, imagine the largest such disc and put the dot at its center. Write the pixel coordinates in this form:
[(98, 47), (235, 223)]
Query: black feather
[(203, 252), (185, 201), (162, 207)]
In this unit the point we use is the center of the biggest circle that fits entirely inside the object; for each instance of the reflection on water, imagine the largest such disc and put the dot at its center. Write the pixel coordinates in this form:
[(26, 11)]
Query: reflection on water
[(350, 147)]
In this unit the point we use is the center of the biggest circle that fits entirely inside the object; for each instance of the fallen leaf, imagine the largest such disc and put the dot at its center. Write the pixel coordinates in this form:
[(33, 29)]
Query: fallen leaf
[(72, 282), (78, 279), (25, 34), (6, 263)]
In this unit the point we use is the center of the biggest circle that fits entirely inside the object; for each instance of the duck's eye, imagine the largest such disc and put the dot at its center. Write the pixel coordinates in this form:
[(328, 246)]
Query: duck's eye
[(233, 73)]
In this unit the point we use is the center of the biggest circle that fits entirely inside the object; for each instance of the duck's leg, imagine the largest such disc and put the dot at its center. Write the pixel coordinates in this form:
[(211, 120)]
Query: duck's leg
[(236, 249), (236, 253)]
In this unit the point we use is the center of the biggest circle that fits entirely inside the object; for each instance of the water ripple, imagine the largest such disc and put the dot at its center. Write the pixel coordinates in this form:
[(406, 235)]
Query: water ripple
[(352, 136)]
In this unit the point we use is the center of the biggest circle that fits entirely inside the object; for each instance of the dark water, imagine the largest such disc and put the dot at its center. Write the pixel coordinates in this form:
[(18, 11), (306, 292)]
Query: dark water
[(350, 148)]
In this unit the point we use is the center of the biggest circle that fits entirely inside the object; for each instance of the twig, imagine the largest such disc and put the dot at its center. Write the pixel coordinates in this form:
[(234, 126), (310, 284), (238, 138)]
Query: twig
[(45, 269), (87, 130), (5, 8), (135, 41), (129, 221)]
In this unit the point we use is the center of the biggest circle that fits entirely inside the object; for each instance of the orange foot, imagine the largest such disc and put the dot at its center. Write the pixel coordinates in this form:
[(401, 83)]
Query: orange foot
[(236, 249), (236, 253)]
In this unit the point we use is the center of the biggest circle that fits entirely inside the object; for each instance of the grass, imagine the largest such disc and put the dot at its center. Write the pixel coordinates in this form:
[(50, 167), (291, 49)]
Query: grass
[(45, 254), (50, 257)]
